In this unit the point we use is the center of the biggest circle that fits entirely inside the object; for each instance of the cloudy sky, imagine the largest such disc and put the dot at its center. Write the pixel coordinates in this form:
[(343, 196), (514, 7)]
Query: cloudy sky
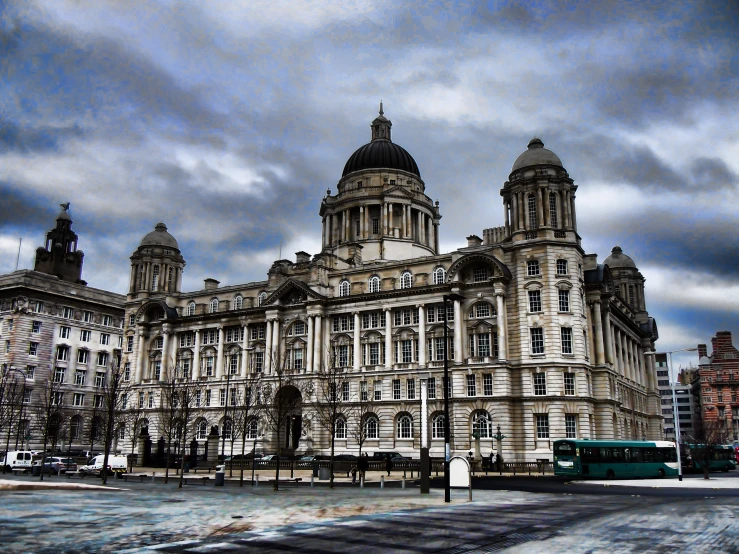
[(228, 120)]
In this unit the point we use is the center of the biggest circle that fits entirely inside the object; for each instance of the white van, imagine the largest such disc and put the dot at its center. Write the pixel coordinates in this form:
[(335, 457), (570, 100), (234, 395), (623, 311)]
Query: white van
[(116, 464), (18, 460)]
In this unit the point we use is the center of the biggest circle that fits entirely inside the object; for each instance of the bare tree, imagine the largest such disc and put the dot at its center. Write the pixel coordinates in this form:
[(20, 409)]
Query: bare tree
[(332, 404), (50, 413), (708, 435), (364, 408), (132, 415), (112, 391), (281, 399), (189, 395), (245, 409), (93, 429), (168, 413), (12, 393)]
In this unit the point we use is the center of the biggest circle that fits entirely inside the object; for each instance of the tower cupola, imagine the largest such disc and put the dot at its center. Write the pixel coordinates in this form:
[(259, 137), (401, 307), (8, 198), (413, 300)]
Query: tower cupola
[(157, 265)]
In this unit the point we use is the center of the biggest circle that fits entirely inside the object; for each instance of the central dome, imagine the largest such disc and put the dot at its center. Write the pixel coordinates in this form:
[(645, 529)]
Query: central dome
[(536, 154), (381, 152), (160, 237)]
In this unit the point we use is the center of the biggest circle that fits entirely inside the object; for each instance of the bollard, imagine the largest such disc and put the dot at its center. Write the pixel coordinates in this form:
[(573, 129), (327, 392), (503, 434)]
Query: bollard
[(256, 481), (382, 481), (311, 480), (361, 481), (153, 477), (402, 483), (115, 476)]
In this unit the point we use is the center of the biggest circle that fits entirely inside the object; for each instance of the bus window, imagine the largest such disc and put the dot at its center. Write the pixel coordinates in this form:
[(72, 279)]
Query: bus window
[(589, 455), (618, 455), (650, 455), (564, 448), (637, 455)]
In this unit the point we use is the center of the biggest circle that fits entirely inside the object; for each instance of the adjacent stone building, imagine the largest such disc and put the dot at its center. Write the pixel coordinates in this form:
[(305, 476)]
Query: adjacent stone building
[(546, 343)]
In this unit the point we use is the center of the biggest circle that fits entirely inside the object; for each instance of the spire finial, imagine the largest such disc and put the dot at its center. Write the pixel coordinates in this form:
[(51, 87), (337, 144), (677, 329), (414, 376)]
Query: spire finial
[(381, 111)]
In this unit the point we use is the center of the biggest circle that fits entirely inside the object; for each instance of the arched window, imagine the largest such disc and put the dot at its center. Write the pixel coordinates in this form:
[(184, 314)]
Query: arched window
[(405, 427), (481, 425), (439, 276), (227, 429), (344, 288), (374, 284), (553, 209), (155, 278), (238, 302), (251, 429), (437, 427), (340, 428), (406, 280), (202, 430), (191, 308), (533, 222), (262, 297), (632, 297), (371, 427), (214, 305)]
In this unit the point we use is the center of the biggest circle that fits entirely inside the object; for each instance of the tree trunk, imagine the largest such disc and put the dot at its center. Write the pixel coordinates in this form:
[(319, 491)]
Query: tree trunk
[(705, 471)]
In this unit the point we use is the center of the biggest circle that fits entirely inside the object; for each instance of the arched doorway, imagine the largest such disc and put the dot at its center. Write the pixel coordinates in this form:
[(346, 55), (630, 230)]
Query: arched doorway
[(287, 418)]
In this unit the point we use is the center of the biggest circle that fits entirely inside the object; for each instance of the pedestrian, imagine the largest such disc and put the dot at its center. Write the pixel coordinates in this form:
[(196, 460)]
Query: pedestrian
[(363, 466), (354, 475), (492, 457), (389, 465)]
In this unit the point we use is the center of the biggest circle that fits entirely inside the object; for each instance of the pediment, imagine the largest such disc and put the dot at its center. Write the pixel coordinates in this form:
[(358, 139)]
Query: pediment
[(398, 191), (292, 292)]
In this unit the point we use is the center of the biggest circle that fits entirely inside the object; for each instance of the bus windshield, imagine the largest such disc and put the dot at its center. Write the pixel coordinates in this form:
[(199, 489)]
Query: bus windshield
[(563, 448)]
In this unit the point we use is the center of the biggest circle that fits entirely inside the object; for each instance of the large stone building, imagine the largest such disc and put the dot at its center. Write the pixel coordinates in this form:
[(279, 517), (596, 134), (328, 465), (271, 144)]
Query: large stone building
[(546, 343), (54, 327)]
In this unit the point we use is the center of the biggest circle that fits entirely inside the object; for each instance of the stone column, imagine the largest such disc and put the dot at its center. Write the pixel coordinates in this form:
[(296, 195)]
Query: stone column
[(166, 359), (391, 220), (539, 208), (219, 359), (514, 211), (309, 346), (196, 359), (404, 222), (545, 204), (421, 336), (573, 213), (424, 413), (244, 351), (141, 356), (608, 336), (388, 338), (362, 227), (357, 347), (317, 343), (436, 238), (458, 353), (507, 217), (598, 320), (276, 343), (268, 347), (501, 320)]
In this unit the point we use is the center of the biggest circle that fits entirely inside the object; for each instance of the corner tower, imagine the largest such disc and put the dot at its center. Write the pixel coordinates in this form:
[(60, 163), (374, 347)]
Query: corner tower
[(381, 211), (156, 266), (539, 197), (59, 256)]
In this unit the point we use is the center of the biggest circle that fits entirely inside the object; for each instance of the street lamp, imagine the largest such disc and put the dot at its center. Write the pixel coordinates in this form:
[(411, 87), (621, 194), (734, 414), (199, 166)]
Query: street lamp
[(225, 419), (675, 415), (6, 372), (447, 450)]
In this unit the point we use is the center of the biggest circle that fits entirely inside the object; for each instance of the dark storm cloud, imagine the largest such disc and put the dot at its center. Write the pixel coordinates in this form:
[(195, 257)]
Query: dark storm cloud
[(713, 173), (27, 139), (21, 209)]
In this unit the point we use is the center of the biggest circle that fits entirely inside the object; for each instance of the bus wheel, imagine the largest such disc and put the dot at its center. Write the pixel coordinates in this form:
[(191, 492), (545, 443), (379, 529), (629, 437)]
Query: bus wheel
[(610, 475), (660, 473)]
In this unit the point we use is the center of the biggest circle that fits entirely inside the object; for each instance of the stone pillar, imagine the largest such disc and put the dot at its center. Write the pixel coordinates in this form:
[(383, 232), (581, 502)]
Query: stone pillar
[(391, 219), (507, 205), (608, 336), (167, 362), (501, 320), (404, 222), (268, 347), (219, 360), (388, 338), (196, 358), (572, 212), (539, 208), (309, 346), (276, 343), (385, 225), (357, 347), (436, 238), (598, 324), (141, 356), (317, 343), (514, 211), (458, 353), (362, 227), (244, 351), (421, 338)]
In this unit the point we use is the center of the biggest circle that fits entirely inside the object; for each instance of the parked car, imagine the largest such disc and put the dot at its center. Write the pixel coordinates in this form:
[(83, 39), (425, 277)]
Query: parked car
[(116, 464), (307, 458), (269, 458), (55, 465), (384, 455), (345, 458), (400, 458)]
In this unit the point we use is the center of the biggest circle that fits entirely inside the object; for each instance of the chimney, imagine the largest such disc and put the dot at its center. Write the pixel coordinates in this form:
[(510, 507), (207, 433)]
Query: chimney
[(474, 240), (302, 257), (702, 351), (211, 284)]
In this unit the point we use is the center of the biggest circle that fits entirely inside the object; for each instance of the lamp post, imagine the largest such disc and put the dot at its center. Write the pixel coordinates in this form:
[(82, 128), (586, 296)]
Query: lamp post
[(675, 415), (6, 372), (447, 450), (499, 440)]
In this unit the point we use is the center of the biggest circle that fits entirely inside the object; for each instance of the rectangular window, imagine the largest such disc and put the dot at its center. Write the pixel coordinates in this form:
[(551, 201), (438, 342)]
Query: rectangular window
[(480, 274), (105, 338), (107, 321), (151, 400), (85, 335), (407, 351), (102, 359), (83, 356), (79, 378), (210, 336), (345, 391), (131, 320), (208, 366), (449, 387), (363, 396), (87, 316), (534, 300), (374, 353), (27, 396), (129, 344), (561, 267), (432, 387), (32, 348), (208, 395), (532, 268), (564, 300), (222, 397), (59, 375), (342, 356), (566, 334), (67, 312), (99, 379), (378, 390), (62, 353), (57, 399), (396, 389), (537, 340), (186, 339), (487, 384), (39, 308), (258, 332), (298, 359), (127, 371), (569, 384), (571, 426), (98, 400), (471, 386), (232, 397), (483, 345), (542, 426), (258, 361), (30, 372), (36, 327), (540, 384), (141, 400), (78, 399), (375, 226), (411, 389)]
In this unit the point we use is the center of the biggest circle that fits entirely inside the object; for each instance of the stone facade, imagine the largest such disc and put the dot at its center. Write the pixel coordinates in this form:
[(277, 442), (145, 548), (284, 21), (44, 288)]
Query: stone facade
[(547, 342)]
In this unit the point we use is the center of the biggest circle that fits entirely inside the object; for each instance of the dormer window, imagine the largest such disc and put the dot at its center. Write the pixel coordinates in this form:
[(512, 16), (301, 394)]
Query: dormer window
[(439, 276), (406, 280), (191, 308), (262, 297), (374, 284), (214, 305), (344, 288)]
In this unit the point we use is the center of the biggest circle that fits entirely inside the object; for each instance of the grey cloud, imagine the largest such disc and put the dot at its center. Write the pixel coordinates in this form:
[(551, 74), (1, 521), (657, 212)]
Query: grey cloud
[(713, 173)]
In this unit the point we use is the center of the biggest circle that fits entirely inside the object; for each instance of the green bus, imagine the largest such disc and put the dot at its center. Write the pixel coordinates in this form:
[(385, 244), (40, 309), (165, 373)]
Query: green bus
[(612, 459), (722, 457)]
